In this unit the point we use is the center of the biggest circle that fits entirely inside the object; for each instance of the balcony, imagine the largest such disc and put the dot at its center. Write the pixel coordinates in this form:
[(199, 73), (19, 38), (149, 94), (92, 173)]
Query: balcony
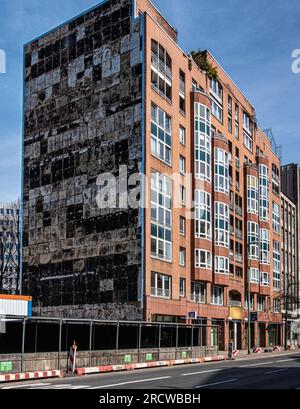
[(235, 303), (231, 255), (239, 234), (238, 210), (239, 258), (160, 293)]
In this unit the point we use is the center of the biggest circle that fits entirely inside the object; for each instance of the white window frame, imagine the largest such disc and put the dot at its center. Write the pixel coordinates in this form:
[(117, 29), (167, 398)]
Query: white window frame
[(261, 303), (182, 232), (217, 295), (198, 292), (165, 290), (161, 216), (264, 246), (161, 70), (254, 275), (182, 164), (202, 123), (221, 233), (265, 279), (264, 201), (161, 143), (182, 287), (203, 215), (276, 265), (203, 259), (253, 240), (221, 265), (221, 165), (182, 135), (182, 256), (276, 217), (252, 194)]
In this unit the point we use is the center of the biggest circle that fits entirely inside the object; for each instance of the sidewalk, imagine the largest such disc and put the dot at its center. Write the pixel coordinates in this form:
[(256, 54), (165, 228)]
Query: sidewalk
[(243, 354)]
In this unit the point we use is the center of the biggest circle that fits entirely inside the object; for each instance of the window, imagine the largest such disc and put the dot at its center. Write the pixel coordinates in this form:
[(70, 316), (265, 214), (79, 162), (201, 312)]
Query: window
[(264, 246), (254, 275), (221, 224), (202, 214), (161, 70), (202, 142), (161, 134), (182, 286), (161, 216), (182, 195), (265, 279), (251, 301), (253, 240), (217, 295), (276, 265), (221, 265), (275, 179), (182, 256), (160, 285), (229, 114), (216, 91), (221, 171), (276, 218), (182, 91), (182, 135), (264, 193), (198, 292), (182, 164), (261, 303), (182, 225), (236, 122), (248, 129), (203, 259), (252, 194), (276, 305)]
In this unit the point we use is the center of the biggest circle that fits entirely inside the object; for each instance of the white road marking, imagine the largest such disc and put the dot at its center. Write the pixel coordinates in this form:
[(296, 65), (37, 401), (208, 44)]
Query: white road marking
[(261, 363), (196, 373), (130, 382), (216, 383), (52, 386), (26, 385), (286, 360), (278, 370)]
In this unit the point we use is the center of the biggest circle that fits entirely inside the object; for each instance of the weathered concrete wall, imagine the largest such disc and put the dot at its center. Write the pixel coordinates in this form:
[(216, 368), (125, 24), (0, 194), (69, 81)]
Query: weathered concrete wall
[(83, 113)]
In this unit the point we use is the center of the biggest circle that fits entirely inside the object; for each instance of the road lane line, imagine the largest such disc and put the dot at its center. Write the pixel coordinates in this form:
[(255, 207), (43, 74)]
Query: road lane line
[(261, 363), (130, 382), (52, 386), (277, 370), (286, 360), (196, 373), (27, 385), (216, 383)]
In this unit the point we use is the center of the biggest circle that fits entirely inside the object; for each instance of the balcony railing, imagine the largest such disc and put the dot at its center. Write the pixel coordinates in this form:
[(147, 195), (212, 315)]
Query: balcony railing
[(182, 87), (231, 255), (239, 234), (235, 303), (231, 229), (239, 257), (238, 210), (159, 292), (231, 206)]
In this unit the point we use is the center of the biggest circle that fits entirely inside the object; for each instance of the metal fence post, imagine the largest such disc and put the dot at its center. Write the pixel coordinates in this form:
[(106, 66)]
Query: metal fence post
[(176, 341), (139, 341), (90, 342), (35, 336), (159, 340), (192, 338), (59, 342), (23, 343), (117, 341)]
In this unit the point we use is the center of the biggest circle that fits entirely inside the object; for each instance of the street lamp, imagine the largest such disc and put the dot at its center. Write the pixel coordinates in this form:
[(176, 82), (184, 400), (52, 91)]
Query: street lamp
[(248, 291)]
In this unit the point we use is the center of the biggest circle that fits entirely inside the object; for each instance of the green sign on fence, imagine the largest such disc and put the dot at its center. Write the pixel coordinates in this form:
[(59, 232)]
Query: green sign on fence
[(183, 355), (6, 366), (149, 357), (127, 359)]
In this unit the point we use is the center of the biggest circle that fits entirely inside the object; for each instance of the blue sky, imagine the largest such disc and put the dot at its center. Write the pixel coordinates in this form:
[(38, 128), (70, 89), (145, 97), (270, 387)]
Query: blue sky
[(253, 41)]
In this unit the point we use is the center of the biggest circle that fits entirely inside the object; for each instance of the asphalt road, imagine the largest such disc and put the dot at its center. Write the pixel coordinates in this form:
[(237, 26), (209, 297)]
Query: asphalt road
[(280, 371)]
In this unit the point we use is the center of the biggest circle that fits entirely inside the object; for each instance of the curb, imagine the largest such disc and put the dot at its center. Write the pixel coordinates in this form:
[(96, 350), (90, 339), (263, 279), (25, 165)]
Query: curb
[(31, 375), (115, 368)]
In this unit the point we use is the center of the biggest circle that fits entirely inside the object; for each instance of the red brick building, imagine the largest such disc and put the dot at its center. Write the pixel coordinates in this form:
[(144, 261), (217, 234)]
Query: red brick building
[(197, 267)]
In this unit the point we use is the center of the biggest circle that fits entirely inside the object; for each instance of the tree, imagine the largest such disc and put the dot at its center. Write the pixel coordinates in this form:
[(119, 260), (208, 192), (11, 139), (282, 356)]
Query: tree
[(10, 248), (200, 58)]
